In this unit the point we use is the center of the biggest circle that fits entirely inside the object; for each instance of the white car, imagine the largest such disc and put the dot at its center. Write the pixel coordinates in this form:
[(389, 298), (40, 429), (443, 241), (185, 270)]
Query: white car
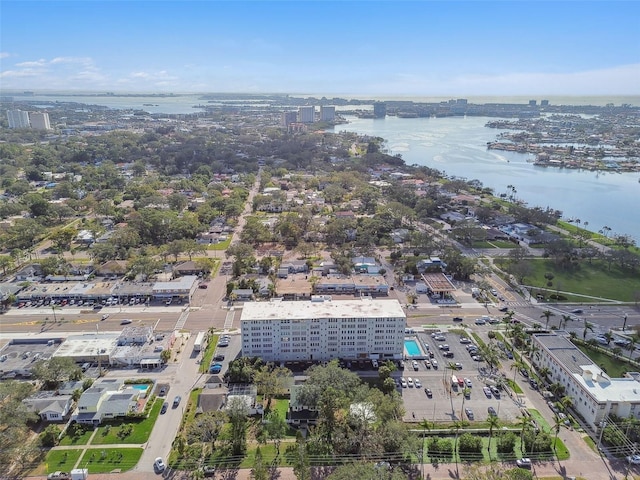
[(417, 383), (410, 382), (403, 383), (159, 465), (634, 459), (467, 382)]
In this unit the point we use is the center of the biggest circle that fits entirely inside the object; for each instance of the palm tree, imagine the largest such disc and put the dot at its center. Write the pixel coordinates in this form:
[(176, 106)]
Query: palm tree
[(556, 426), (544, 372), (494, 422), (457, 426), (609, 337), (515, 366), (426, 426), (588, 327), (563, 321), (524, 424), (465, 392), (547, 314), (566, 402), (557, 389)]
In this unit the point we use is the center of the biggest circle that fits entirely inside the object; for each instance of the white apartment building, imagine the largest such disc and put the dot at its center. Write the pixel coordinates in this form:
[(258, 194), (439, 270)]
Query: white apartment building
[(18, 119), (327, 113), (594, 394), (306, 114), (39, 121), (323, 330)]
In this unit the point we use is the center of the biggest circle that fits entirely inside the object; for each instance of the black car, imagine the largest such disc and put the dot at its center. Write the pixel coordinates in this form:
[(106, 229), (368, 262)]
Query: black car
[(428, 392), (219, 358), (469, 413), (164, 408), (458, 319), (492, 412)]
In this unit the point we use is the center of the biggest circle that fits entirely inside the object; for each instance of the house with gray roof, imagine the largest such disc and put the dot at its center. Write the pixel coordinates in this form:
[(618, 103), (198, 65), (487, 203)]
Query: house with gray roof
[(50, 406), (106, 399)]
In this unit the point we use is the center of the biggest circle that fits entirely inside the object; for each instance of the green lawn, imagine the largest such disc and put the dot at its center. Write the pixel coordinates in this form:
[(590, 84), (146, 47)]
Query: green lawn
[(587, 279), (615, 368), (82, 439), (542, 423), (108, 434), (103, 460), (62, 460), (514, 385), (207, 355)]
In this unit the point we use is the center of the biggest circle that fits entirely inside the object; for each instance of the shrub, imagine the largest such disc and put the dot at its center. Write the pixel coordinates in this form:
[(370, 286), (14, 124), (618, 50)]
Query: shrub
[(506, 442)]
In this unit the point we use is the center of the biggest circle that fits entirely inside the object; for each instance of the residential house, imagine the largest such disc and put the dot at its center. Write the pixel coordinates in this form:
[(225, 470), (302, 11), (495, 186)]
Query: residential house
[(49, 405), (106, 399)]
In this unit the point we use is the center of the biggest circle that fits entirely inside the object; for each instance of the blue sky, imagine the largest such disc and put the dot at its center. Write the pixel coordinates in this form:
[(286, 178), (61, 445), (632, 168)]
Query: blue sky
[(393, 48)]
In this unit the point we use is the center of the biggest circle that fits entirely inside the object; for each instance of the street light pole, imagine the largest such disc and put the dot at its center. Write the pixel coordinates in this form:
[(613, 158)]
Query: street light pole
[(624, 325)]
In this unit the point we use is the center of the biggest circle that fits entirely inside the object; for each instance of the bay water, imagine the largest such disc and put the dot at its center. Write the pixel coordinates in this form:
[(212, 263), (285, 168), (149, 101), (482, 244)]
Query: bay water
[(457, 146)]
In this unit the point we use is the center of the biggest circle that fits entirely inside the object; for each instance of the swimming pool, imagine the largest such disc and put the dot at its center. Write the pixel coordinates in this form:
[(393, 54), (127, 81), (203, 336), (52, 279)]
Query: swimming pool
[(143, 389), (412, 348)]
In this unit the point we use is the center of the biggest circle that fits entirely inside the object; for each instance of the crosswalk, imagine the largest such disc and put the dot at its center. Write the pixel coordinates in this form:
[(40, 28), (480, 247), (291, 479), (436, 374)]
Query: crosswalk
[(182, 319), (228, 321)]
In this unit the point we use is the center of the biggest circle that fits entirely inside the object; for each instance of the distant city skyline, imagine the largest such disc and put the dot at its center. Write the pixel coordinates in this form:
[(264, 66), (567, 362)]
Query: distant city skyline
[(363, 48)]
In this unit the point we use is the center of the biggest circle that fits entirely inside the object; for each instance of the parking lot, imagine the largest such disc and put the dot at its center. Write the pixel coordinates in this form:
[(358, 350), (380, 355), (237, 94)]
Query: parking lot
[(446, 403)]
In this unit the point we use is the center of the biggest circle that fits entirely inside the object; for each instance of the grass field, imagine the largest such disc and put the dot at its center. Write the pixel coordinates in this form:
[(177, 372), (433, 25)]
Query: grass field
[(103, 460), (77, 440), (587, 279), (613, 367), (207, 355), (108, 434), (62, 460)]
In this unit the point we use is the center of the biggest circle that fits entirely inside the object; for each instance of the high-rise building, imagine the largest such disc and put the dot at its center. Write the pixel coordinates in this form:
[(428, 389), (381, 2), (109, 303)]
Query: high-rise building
[(18, 119), (323, 330), (544, 103), (379, 109), (287, 118), (39, 121), (532, 103), (306, 114), (327, 113)]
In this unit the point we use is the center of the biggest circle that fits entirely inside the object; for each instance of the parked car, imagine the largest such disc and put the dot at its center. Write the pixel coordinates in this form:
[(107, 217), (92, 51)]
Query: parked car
[(448, 354), (164, 408), (468, 383), (492, 412), (633, 459), (428, 392), (209, 470), (469, 413), (417, 383), (524, 462), (58, 476), (403, 383), (480, 321), (176, 401), (163, 391), (159, 465), (434, 364), (215, 368), (464, 340), (487, 391), (219, 357)]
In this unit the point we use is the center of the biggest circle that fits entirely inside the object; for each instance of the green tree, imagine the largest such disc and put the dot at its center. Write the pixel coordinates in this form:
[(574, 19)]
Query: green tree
[(276, 428), (259, 470), (547, 314), (588, 327), (49, 436), (237, 413), (493, 422), (299, 457), (54, 371)]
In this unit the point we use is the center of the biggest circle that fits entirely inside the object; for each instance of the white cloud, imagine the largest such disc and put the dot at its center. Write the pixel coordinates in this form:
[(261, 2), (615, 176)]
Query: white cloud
[(37, 63), (4, 55)]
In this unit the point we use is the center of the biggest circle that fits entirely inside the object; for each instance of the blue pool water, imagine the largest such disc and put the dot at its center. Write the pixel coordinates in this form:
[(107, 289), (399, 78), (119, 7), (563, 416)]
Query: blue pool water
[(412, 348), (144, 388)]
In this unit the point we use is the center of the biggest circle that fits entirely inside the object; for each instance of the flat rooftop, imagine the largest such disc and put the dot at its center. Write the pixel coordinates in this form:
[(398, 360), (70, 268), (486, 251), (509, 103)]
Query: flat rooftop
[(88, 345), (438, 282), (364, 308)]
